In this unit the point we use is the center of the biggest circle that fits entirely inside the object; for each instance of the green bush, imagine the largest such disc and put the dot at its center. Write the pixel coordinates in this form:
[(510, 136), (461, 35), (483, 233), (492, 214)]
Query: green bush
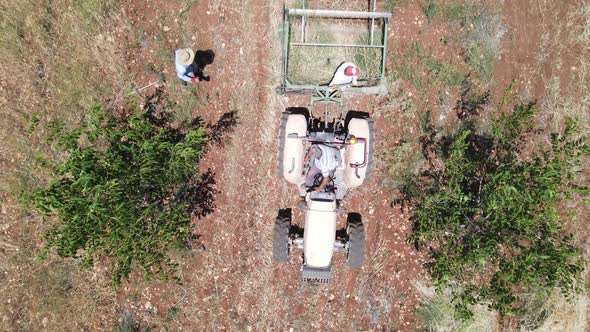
[(123, 191), (490, 215), (430, 9)]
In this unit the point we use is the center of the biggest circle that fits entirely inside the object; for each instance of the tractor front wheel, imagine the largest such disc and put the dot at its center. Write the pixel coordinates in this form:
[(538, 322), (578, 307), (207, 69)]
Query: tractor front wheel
[(356, 241), (280, 243)]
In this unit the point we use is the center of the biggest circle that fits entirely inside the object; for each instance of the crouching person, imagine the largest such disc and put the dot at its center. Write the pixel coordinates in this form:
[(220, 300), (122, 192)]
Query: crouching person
[(185, 70)]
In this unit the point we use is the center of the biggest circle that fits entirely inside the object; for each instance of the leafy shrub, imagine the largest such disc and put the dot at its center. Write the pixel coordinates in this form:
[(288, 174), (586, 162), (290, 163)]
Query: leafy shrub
[(123, 191), (489, 216)]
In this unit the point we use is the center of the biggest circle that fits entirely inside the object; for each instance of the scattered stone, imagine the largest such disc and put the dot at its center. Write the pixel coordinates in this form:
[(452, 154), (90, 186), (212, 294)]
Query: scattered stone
[(148, 306)]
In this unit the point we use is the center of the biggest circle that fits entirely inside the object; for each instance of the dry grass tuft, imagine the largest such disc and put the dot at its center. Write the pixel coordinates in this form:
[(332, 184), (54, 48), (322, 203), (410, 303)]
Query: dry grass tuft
[(559, 106), (581, 26), (437, 313), (54, 295), (316, 64), (55, 57)]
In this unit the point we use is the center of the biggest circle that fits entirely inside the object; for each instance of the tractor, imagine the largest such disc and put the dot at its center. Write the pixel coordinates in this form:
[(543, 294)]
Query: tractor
[(352, 137), (315, 42)]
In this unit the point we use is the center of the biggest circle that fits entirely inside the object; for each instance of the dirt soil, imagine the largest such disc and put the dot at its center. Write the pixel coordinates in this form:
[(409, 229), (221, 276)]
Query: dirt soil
[(229, 283), (228, 280)]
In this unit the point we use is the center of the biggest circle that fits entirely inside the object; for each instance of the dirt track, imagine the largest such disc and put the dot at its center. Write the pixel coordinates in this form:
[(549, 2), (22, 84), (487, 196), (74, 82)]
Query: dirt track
[(230, 282)]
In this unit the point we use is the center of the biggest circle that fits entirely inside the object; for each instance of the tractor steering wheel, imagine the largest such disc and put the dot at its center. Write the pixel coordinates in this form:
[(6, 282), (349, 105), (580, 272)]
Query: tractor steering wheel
[(317, 180)]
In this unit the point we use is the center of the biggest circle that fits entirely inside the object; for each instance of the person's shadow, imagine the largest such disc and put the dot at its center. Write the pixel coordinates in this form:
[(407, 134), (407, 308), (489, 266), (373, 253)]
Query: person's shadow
[(202, 59)]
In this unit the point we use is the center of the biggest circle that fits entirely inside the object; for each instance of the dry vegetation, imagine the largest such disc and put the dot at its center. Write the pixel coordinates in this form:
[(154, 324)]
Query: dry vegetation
[(55, 56), (316, 64)]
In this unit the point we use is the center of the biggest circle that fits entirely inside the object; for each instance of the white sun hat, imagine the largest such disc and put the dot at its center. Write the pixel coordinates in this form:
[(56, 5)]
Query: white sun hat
[(185, 56)]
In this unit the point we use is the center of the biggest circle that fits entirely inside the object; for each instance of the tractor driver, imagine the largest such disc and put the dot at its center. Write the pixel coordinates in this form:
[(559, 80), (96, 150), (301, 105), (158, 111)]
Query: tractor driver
[(325, 161)]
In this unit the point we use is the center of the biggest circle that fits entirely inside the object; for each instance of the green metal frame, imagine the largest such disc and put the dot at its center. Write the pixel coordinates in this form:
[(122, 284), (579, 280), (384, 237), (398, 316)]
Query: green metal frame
[(326, 94), (322, 93)]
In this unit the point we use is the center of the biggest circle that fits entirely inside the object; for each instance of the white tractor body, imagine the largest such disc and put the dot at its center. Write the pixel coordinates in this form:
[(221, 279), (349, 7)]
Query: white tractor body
[(292, 164), (319, 235), (352, 143)]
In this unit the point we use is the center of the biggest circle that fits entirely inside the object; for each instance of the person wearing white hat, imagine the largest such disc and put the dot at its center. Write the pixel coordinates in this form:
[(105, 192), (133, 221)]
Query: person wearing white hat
[(184, 66)]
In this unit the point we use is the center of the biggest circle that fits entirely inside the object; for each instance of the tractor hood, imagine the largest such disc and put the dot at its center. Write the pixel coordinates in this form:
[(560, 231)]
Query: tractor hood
[(319, 234)]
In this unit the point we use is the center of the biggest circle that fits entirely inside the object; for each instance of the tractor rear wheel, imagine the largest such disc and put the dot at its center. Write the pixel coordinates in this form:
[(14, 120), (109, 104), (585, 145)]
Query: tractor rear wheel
[(281, 147), (356, 241), (280, 243), (371, 148)]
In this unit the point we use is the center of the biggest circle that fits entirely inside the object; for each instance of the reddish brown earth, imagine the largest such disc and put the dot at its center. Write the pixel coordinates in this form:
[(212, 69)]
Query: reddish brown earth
[(228, 279), (229, 282), (529, 55)]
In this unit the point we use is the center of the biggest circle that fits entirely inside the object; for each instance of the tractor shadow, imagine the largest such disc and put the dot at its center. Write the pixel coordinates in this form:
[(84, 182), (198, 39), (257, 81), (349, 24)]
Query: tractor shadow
[(285, 213), (293, 228), (354, 115), (299, 110)]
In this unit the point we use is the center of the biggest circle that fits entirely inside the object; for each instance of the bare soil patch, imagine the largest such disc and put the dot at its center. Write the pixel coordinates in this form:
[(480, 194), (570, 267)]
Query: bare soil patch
[(229, 281)]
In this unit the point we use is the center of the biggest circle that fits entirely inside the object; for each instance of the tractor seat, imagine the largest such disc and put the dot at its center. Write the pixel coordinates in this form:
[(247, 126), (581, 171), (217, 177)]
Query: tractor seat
[(323, 196)]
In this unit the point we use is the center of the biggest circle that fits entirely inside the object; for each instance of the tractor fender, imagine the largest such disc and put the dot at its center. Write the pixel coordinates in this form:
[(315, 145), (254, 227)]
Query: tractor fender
[(293, 148), (359, 156)]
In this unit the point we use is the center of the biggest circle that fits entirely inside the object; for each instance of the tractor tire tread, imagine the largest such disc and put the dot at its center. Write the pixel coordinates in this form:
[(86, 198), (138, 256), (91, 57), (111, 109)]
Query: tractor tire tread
[(281, 147), (356, 240), (280, 248)]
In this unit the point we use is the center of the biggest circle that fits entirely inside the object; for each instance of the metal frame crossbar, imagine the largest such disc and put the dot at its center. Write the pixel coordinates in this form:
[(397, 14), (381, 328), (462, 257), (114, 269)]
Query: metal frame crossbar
[(336, 13), (324, 93)]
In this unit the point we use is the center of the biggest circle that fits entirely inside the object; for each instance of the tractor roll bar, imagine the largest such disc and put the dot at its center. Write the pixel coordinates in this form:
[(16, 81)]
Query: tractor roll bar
[(337, 13)]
